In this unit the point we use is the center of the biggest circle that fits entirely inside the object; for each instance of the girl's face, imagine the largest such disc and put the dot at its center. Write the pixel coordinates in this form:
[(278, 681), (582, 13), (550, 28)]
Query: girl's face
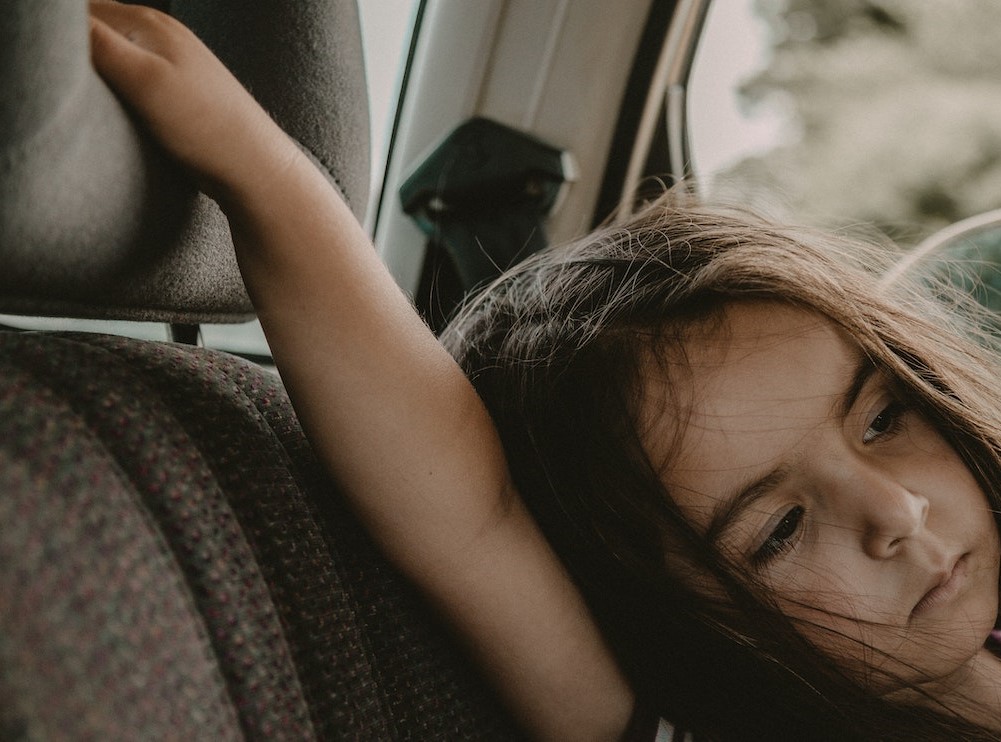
[(802, 462)]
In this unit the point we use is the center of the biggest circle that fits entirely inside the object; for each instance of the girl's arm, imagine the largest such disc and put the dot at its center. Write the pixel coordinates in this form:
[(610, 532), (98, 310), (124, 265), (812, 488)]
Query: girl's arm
[(385, 407)]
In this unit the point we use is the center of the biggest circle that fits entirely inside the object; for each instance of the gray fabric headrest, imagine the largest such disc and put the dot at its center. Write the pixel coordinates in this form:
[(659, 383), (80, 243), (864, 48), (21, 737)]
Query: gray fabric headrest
[(94, 221)]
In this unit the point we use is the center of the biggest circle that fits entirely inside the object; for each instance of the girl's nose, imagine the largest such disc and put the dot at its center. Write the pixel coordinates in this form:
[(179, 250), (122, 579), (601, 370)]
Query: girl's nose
[(887, 513), (895, 518)]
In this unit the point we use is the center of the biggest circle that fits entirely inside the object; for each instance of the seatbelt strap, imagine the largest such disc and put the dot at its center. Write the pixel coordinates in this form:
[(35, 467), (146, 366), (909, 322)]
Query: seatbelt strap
[(482, 197)]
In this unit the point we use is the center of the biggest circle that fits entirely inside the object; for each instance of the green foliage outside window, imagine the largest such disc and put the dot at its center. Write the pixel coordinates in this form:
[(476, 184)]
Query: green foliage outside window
[(895, 110)]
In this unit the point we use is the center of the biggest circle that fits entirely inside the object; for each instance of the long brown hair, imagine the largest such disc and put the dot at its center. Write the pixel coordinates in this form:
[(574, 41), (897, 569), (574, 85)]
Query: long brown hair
[(556, 347)]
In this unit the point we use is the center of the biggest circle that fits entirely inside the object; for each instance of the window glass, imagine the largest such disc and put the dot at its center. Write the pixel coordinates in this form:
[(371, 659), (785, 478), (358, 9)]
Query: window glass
[(141, 330), (835, 112), (386, 26)]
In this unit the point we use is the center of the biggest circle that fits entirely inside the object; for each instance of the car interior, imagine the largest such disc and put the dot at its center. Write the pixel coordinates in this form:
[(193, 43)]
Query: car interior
[(174, 562)]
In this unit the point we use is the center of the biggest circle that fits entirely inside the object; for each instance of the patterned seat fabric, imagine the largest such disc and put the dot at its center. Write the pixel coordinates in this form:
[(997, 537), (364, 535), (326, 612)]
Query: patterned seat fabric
[(175, 565)]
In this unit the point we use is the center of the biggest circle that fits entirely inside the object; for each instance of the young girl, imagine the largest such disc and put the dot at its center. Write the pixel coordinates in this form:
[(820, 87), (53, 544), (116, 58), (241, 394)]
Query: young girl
[(768, 478)]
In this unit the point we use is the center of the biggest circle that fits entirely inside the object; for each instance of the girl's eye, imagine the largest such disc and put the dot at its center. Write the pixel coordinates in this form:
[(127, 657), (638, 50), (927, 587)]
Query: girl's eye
[(782, 537), (885, 422)]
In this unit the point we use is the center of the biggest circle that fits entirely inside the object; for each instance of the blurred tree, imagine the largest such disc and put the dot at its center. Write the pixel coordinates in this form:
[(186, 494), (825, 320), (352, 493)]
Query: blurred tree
[(895, 108), (973, 265)]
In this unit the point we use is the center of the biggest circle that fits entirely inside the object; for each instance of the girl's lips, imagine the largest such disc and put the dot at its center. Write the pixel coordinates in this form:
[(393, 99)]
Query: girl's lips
[(945, 590)]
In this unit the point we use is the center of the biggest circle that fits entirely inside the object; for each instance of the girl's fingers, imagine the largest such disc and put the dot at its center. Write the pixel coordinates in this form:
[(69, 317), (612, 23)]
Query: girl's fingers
[(133, 47), (144, 27), (123, 20), (114, 56), (187, 99)]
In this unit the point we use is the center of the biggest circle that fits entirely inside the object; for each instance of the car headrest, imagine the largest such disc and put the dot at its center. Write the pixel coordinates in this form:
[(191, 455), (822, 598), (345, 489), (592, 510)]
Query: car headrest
[(94, 220)]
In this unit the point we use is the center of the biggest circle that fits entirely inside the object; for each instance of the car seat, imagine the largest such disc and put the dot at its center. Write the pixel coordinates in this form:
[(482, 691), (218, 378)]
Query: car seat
[(174, 564)]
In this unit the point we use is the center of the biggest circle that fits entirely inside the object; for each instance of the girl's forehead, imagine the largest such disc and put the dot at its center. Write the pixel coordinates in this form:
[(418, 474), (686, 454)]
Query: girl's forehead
[(744, 340), (764, 369), (751, 334)]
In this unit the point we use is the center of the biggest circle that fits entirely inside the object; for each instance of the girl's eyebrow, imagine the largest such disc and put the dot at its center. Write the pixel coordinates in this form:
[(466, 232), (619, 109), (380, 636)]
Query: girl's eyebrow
[(731, 506), (864, 369)]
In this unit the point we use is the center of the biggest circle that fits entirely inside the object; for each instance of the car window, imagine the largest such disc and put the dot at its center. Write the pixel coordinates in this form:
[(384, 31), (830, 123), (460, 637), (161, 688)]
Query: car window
[(843, 112), (386, 27)]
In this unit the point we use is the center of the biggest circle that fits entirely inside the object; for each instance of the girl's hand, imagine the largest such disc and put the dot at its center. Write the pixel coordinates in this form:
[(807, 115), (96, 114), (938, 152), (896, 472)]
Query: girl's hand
[(187, 98)]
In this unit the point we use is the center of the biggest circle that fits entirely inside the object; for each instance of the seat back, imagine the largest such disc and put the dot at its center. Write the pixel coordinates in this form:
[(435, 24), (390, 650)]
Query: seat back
[(174, 563)]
